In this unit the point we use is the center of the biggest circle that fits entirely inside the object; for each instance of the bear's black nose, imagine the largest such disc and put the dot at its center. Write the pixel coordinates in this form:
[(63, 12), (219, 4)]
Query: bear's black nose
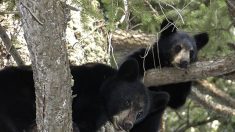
[(127, 125), (184, 64)]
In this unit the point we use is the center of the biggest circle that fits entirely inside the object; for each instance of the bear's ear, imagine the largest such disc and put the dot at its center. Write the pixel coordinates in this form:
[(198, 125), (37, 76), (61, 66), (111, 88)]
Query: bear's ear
[(129, 70), (201, 40), (159, 101), (167, 27)]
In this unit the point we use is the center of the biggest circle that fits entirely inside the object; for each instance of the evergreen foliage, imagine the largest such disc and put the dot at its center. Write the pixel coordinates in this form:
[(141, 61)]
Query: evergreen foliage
[(191, 15)]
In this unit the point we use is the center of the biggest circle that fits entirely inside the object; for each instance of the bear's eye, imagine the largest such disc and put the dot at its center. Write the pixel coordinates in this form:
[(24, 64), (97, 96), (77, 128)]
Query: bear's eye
[(178, 48), (191, 53), (139, 114)]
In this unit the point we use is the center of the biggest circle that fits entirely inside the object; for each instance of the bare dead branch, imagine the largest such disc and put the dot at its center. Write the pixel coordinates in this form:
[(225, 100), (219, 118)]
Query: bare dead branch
[(152, 8), (126, 14), (211, 89), (211, 105), (10, 48), (199, 70)]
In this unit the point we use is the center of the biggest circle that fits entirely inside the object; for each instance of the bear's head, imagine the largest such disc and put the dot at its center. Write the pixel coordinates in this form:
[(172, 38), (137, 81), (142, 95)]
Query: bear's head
[(126, 100), (178, 48)]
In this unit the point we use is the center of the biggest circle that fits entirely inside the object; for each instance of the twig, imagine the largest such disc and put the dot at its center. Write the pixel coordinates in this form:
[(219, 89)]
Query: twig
[(151, 7), (10, 48), (126, 14), (175, 10), (169, 23), (110, 49)]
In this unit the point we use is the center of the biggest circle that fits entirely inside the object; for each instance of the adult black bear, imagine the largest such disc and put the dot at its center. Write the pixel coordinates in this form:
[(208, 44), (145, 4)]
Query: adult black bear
[(173, 49), (107, 99)]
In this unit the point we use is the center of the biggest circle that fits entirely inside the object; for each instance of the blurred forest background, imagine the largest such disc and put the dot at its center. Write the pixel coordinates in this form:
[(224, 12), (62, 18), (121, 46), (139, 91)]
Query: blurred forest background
[(104, 21)]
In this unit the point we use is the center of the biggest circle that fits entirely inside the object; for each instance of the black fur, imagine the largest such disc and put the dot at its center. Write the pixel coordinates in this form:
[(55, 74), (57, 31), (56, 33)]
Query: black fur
[(102, 92)]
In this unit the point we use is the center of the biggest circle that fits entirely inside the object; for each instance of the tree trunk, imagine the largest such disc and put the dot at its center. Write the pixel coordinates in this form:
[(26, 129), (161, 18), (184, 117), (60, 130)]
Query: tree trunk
[(44, 24)]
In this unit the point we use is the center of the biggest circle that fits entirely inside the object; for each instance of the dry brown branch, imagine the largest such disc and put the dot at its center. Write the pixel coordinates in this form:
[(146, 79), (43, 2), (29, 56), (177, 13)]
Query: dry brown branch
[(10, 48), (155, 12), (198, 70), (211, 89), (211, 105)]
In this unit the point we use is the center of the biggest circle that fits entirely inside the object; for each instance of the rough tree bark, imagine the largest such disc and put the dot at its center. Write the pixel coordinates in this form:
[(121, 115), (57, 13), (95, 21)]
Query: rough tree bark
[(199, 70), (44, 24)]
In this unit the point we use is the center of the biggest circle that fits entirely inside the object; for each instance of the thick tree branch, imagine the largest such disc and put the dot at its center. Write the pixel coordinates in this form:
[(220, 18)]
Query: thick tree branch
[(205, 86), (10, 48), (198, 70), (211, 105)]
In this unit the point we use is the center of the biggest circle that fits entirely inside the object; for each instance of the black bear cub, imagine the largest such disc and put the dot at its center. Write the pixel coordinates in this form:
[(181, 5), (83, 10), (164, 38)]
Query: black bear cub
[(108, 100), (173, 49)]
